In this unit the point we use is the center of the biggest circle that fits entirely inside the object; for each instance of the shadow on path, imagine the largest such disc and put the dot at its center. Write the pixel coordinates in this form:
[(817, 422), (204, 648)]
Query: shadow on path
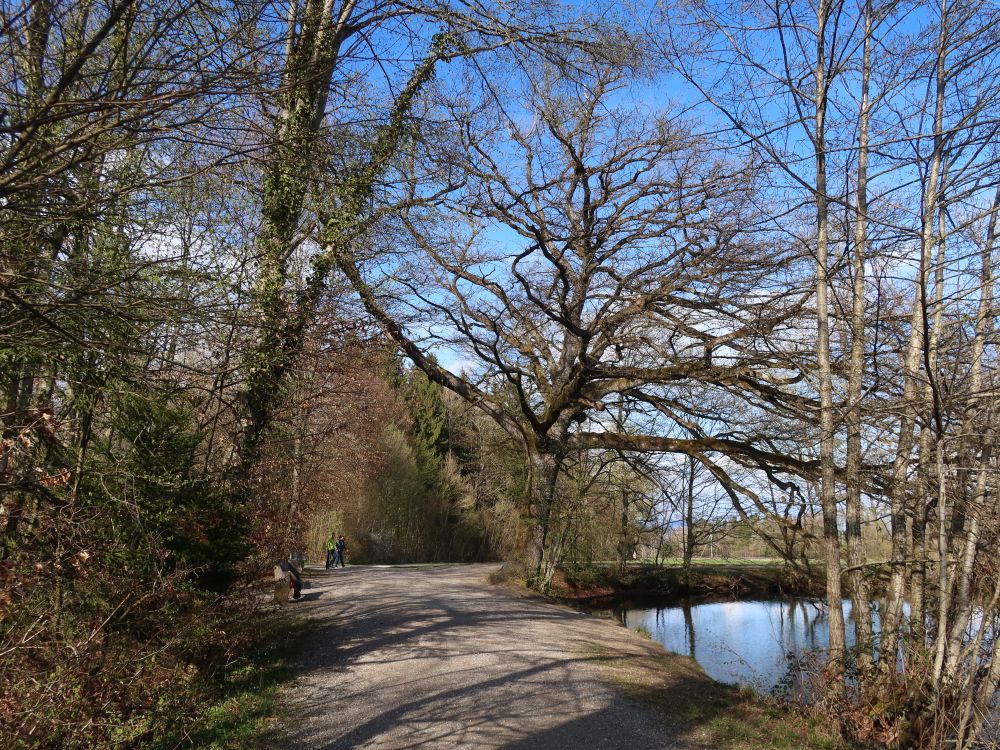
[(438, 657)]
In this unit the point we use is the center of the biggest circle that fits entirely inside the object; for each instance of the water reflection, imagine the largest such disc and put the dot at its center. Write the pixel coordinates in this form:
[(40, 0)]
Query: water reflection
[(761, 643)]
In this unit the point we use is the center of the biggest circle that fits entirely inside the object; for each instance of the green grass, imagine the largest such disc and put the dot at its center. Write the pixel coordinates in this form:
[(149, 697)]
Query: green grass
[(643, 631), (765, 728), (241, 706)]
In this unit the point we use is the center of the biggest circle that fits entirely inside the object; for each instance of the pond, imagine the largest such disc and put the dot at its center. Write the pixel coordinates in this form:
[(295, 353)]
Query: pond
[(763, 644)]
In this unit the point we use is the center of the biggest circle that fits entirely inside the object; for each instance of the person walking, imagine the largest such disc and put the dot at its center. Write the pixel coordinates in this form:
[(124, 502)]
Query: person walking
[(340, 548), (331, 549)]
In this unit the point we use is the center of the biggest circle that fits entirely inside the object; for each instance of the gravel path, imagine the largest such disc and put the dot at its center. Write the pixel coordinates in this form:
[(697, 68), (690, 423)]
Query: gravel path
[(439, 657)]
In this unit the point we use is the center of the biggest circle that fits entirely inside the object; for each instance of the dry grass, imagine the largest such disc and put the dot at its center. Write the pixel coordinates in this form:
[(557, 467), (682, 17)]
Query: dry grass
[(706, 713)]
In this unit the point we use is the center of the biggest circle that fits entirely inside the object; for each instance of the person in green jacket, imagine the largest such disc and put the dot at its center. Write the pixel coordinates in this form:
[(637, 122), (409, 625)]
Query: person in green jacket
[(331, 549)]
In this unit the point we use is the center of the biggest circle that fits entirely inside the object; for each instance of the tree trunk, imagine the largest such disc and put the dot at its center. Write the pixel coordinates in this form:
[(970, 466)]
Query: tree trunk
[(860, 593), (911, 377), (689, 530), (831, 533), (314, 39), (967, 531), (936, 408), (541, 500), (624, 531)]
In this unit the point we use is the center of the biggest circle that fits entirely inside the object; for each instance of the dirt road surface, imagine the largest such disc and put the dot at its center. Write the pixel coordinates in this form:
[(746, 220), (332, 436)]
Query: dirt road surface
[(438, 657)]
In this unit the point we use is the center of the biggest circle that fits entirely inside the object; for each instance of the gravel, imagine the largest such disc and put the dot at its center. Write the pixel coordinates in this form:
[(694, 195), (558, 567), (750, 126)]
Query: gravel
[(436, 656)]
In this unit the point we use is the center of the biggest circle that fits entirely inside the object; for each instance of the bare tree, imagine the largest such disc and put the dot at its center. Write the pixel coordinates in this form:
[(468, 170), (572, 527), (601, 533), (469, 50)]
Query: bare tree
[(880, 127), (606, 284), (695, 493)]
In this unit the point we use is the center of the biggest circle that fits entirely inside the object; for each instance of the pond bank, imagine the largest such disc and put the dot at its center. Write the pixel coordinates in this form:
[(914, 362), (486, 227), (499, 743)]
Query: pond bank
[(598, 584)]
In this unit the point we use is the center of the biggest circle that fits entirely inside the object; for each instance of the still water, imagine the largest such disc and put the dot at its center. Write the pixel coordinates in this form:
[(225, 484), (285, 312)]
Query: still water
[(763, 644)]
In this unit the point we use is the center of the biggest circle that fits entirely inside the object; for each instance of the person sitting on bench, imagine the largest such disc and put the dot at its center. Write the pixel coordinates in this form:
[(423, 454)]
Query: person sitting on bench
[(286, 576)]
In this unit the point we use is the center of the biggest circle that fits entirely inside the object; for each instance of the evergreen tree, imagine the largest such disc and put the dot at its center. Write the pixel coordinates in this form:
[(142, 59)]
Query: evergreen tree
[(429, 433)]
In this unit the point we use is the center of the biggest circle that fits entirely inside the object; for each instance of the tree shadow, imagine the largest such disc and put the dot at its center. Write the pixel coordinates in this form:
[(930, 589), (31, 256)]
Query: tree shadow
[(437, 666)]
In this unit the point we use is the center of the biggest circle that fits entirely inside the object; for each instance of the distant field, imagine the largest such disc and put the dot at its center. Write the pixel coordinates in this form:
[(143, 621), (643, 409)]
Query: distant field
[(677, 562)]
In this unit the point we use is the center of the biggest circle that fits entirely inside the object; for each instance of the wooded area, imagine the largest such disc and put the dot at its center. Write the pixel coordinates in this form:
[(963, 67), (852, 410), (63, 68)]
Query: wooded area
[(489, 280)]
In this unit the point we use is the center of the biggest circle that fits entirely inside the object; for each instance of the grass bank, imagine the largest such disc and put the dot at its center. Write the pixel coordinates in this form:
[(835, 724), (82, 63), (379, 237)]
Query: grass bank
[(712, 715), (599, 582), (239, 704), (704, 712)]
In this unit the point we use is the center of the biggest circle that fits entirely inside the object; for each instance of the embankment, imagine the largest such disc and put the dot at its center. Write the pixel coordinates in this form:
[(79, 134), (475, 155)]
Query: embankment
[(598, 582)]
